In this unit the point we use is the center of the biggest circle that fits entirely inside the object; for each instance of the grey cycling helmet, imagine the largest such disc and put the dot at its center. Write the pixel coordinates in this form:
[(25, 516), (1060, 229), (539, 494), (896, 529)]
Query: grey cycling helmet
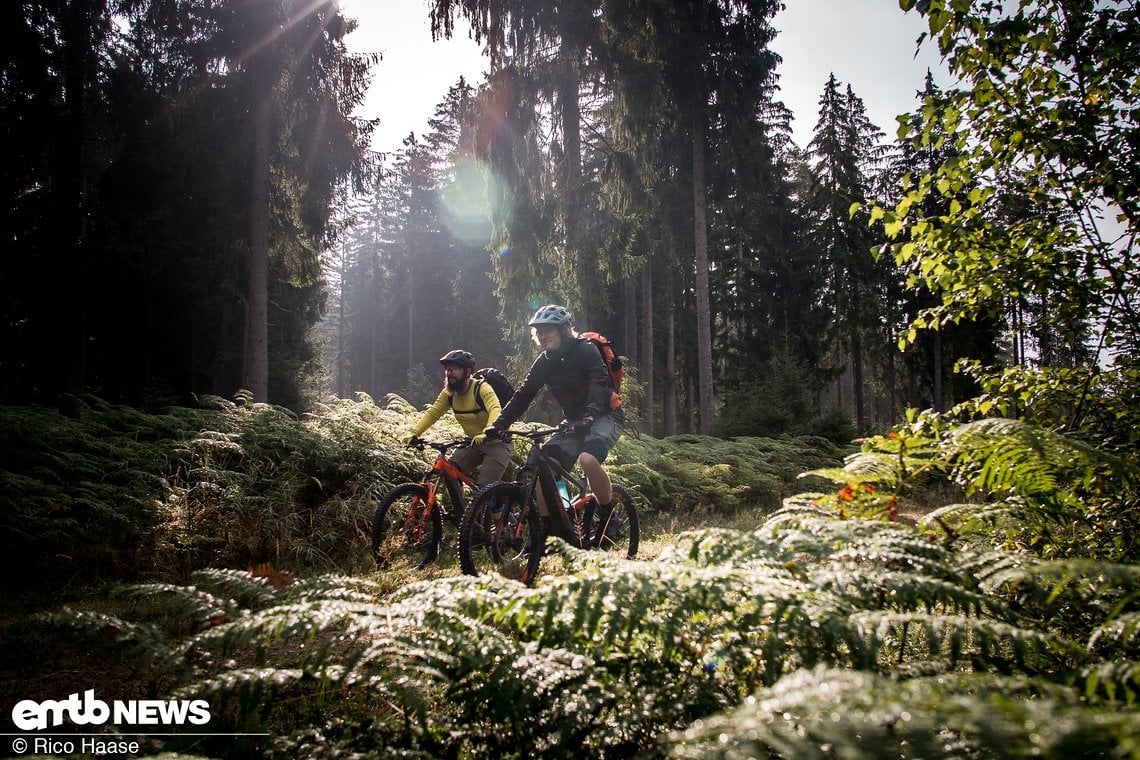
[(552, 314), (458, 357)]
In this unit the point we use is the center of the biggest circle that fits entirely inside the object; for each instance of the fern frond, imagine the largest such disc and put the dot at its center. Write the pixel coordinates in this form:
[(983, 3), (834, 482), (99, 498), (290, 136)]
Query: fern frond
[(1114, 681), (1084, 598), (1008, 515), (1011, 456), (872, 588), (144, 646), (716, 546), (836, 713), (1122, 634), (187, 607), (985, 642), (864, 467)]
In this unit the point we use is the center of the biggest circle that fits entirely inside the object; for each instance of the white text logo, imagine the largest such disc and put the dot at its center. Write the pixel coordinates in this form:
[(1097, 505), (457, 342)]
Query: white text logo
[(29, 715)]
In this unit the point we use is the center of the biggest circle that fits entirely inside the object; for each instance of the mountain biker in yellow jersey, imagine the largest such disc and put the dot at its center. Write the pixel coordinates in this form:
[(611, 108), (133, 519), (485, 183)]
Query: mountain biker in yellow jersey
[(473, 412), (577, 377)]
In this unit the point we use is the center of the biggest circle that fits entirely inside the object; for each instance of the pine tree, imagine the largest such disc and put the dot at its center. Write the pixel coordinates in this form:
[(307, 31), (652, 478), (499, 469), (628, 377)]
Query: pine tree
[(845, 153)]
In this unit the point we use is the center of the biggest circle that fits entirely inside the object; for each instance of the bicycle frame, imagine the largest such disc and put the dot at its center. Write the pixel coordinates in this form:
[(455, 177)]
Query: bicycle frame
[(443, 469), (506, 524), (567, 523)]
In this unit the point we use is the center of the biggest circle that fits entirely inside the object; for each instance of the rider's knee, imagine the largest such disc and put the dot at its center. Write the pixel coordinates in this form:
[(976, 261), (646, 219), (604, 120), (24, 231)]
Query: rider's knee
[(586, 459)]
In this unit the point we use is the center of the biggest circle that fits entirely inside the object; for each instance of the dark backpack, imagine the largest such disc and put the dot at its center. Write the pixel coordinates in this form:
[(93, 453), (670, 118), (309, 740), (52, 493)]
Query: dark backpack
[(498, 382), (612, 362)]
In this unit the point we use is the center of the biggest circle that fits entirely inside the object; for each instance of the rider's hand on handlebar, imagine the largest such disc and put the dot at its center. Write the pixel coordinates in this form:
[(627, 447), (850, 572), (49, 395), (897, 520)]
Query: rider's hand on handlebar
[(494, 433), (577, 426), (415, 442)]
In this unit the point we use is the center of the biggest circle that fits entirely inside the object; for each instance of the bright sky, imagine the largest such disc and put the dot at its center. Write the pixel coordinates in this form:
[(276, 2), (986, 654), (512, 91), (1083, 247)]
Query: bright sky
[(868, 44)]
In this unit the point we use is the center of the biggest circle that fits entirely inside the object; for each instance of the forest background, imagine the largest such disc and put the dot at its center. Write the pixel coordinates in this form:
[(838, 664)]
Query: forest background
[(265, 248)]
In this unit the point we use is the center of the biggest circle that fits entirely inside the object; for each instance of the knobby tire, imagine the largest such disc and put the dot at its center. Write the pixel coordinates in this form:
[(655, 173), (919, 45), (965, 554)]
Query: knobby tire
[(404, 534), (497, 535)]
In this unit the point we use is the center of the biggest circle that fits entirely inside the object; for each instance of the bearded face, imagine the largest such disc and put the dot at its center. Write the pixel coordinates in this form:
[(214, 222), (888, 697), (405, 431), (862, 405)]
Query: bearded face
[(456, 378)]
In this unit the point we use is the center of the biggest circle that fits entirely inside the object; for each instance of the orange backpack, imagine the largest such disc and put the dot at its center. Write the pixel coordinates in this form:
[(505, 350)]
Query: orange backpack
[(612, 362)]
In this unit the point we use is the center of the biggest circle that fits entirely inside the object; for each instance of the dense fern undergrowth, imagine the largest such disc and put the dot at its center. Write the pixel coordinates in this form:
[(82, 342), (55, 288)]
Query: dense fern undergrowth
[(963, 586)]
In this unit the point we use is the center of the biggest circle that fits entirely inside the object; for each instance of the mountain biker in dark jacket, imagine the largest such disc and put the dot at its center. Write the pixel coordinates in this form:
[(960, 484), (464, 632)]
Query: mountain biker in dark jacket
[(573, 369)]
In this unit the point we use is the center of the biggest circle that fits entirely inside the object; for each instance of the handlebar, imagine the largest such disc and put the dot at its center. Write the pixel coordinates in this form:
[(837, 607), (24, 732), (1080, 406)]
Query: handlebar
[(441, 446), (535, 434)]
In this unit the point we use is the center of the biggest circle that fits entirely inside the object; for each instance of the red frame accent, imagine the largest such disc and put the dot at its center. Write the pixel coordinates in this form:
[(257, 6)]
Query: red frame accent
[(445, 466)]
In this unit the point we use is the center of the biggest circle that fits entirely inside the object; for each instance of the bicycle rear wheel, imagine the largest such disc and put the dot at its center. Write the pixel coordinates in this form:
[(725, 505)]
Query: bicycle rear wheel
[(498, 534), (405, 530), (619, 531)]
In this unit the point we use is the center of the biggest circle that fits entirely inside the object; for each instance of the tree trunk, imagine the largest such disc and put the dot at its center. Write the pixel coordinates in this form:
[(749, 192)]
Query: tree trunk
[(647, 349), (341, 335), (79, 51), (629, 309), (939, 400), (255, 372), (704, 311), (411, 322), (669, 392), (572, 171), (690, 408)]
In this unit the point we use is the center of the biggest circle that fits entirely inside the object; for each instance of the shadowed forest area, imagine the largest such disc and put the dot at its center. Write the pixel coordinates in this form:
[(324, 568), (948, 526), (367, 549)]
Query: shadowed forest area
[(883, 388)]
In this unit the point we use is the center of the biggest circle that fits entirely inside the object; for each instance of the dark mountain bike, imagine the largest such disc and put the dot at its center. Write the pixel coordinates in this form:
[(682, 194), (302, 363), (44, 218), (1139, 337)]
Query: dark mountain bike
[(502, 530), (407, 527)]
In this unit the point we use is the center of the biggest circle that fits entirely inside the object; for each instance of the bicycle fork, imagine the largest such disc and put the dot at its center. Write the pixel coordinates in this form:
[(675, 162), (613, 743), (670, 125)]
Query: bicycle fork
[(413, 525)]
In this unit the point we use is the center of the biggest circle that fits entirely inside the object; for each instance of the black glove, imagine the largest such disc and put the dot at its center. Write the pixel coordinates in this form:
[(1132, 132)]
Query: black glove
[(578, 426), (493, 433), (416, 442)]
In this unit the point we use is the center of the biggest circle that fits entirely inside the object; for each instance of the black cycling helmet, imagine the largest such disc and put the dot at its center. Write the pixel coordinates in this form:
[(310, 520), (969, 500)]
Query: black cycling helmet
[(459, 358), (552, 314)]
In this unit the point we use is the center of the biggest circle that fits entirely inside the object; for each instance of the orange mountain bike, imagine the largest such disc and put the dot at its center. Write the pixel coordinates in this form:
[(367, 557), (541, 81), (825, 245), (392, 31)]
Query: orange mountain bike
[(407, 527), (502, 530)]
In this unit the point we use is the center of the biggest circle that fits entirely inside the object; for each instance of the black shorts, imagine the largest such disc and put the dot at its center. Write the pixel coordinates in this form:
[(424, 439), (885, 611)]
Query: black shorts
[(598, 440)]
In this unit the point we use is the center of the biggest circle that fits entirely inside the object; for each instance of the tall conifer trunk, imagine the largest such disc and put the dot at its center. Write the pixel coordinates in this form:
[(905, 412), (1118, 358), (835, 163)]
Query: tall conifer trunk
[(647, 348), (255, 370), (629, 319), (669, 392), (572, 171), (704, 309)]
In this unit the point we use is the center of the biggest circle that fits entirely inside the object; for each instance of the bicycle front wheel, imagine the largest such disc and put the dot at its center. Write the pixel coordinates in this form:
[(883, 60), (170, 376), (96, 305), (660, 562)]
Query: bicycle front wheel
[(406, 530), (499, 534)]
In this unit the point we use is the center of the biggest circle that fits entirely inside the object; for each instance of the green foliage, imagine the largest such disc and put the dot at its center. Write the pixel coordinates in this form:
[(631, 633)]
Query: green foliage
[(807, 636), (81, 496), (113, 493), (1041, 127), (1097, 405), (1004, 625), (691, 472), (420, 389), (778, 402), (826, 711), (1029, 488)]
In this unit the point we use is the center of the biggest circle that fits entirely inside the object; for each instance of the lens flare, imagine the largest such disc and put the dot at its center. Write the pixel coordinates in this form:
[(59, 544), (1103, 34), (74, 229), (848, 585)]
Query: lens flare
[(468, 203)]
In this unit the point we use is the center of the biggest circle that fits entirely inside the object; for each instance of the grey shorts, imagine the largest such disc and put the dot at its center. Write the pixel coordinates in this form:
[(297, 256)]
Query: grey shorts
[(491, 458), (598, 440)]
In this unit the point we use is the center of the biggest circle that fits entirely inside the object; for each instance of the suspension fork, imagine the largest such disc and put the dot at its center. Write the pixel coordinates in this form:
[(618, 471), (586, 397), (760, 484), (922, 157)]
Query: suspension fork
[(429, 503)]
